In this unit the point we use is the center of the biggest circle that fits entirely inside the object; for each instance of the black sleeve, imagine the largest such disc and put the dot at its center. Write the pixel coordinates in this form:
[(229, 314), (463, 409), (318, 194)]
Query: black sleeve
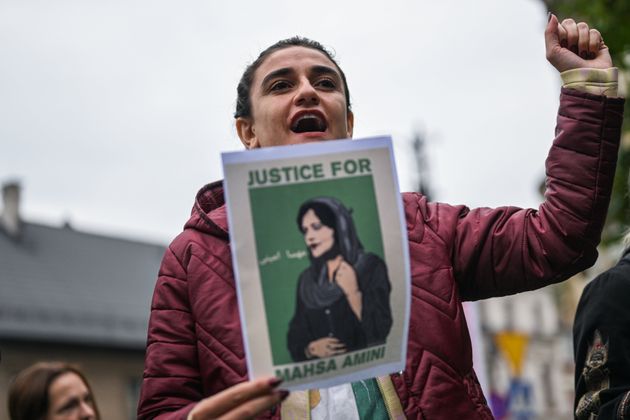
[(298, 337), (601, 341), (376, 312)]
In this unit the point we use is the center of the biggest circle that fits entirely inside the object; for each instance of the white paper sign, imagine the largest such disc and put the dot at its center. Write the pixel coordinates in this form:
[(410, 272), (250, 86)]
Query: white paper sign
[(320, 255)]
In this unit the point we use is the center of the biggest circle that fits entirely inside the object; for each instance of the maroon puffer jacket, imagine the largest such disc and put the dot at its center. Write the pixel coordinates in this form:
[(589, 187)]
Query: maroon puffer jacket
[(195, 348)]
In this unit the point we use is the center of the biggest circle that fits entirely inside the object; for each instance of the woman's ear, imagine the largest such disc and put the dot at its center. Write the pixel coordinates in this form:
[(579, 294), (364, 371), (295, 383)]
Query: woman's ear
[(245, 131), (350, 124)]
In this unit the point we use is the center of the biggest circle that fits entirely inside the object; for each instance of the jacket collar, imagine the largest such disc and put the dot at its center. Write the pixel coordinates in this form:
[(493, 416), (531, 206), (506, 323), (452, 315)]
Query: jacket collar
[(209, 213)]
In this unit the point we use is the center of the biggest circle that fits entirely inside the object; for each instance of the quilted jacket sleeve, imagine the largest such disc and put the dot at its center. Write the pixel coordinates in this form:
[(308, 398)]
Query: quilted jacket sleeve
[(508, 250), (171, 384)]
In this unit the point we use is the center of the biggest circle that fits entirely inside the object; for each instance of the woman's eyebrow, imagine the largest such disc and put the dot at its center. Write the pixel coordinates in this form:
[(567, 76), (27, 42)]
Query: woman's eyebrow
[(319, 70), (68, 404), (285, 71)]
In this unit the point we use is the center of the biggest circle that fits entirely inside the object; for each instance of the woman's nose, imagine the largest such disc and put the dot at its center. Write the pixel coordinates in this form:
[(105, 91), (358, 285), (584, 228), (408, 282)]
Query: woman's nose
[(87, 412), (306, 94)]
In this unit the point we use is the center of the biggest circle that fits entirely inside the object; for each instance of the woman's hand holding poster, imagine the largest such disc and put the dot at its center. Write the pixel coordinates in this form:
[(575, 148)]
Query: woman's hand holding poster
[(320, 253)]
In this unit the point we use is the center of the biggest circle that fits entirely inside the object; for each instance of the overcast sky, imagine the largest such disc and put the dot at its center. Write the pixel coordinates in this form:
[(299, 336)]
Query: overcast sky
[(114, 113)]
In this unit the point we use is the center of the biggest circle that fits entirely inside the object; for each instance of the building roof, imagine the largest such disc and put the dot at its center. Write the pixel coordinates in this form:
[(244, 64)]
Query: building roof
[(58, 284)]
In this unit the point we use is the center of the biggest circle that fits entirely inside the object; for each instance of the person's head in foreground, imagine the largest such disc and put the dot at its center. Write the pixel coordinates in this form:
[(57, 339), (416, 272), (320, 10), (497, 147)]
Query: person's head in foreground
[(51, 391), (293, 93)]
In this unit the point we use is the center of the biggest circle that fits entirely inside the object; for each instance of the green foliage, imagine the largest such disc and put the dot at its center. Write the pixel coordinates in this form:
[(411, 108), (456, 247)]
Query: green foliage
[(612, 19)]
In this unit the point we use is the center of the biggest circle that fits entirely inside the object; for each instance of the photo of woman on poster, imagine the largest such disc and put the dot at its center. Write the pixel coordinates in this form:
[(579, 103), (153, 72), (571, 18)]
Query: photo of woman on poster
[(342, 300)]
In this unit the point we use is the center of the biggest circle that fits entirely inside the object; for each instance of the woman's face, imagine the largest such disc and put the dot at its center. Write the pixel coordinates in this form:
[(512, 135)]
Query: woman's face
[(70, 399), (297, 96), (318, 237)]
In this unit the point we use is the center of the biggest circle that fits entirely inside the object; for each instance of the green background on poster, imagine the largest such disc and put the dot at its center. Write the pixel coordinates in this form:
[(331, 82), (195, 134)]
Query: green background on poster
[(274, 212)]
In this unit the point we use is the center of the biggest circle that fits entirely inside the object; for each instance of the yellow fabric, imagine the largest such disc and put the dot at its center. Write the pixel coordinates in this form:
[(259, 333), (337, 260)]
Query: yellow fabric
[(595, 81), (314, 398), (296, 406), (513, 346), (390, 397)]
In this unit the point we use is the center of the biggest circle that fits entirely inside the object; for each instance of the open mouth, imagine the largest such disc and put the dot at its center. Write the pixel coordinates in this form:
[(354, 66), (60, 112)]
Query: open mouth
[(308, 122)]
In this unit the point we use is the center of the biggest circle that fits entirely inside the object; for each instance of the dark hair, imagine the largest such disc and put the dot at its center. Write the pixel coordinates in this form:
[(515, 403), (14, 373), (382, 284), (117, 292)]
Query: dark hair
[(334, 214), (28, 392), (243, 90), (324, 213)]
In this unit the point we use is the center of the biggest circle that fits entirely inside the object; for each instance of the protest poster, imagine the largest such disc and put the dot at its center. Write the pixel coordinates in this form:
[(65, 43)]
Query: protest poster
[(320, 255)]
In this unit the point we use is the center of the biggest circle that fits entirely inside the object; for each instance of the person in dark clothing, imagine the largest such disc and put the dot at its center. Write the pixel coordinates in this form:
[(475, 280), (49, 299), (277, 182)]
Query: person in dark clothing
[(343, 296), (601, 342)]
